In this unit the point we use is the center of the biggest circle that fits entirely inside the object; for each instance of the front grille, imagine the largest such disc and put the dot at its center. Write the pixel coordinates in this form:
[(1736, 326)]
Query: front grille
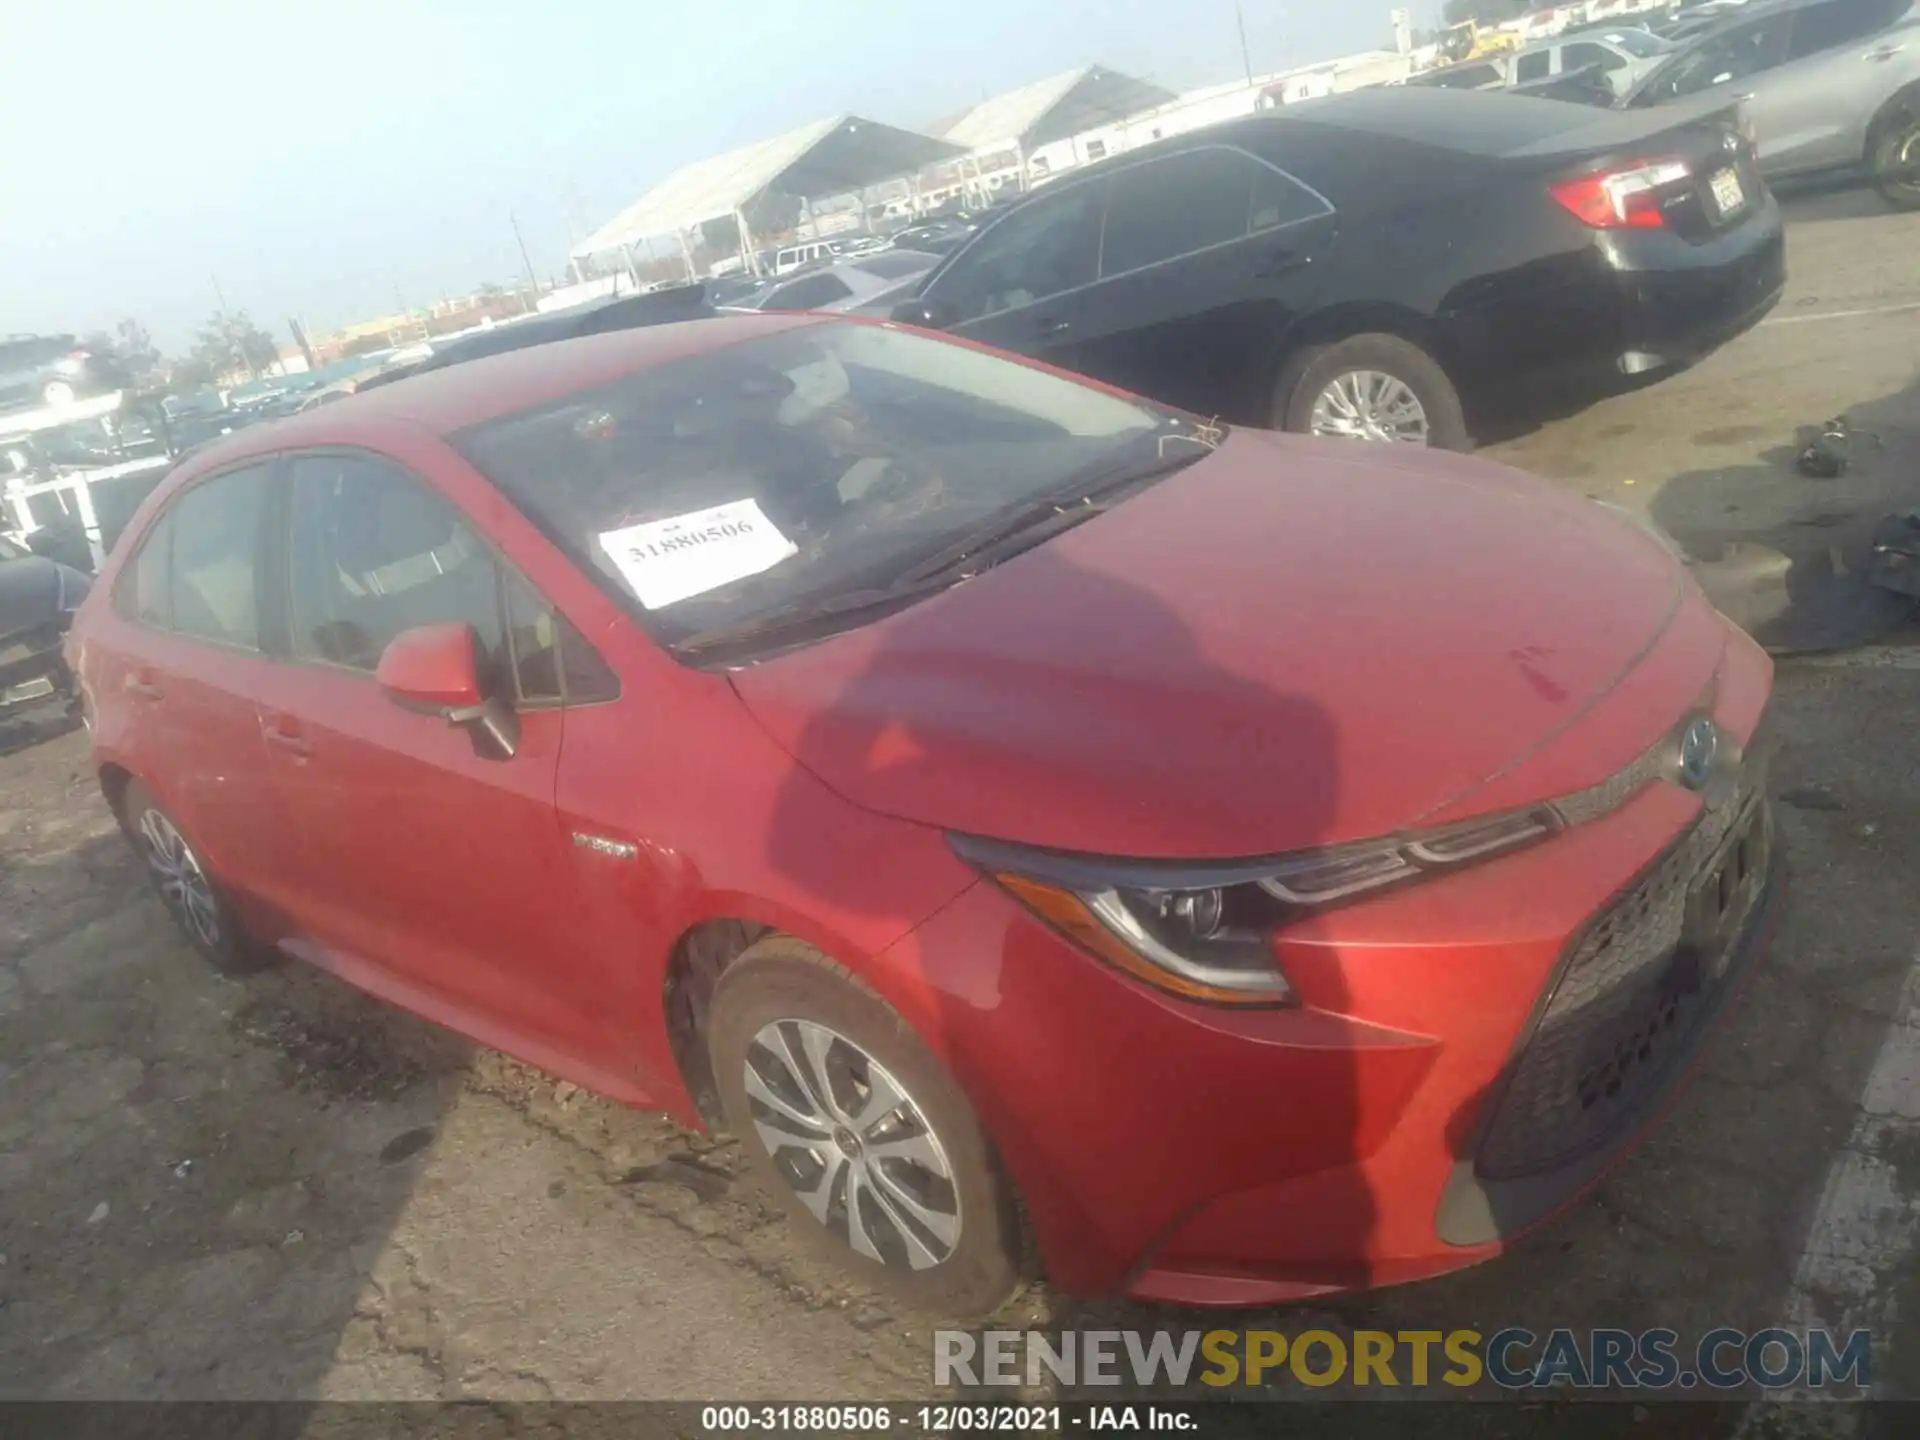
[(1636, 986)]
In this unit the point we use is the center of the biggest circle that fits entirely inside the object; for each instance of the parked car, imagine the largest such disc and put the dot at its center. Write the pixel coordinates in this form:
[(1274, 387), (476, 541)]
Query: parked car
[(936, 237), (974, 781), (792, 257), (874, 282), (1831, 87), (1622, 54), (1382, 265), (1493, 72), (37, 371), (38, 597)]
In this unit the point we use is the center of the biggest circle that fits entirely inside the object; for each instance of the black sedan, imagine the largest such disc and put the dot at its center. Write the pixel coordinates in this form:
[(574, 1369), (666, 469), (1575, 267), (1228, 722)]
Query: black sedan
[(1386, 265)]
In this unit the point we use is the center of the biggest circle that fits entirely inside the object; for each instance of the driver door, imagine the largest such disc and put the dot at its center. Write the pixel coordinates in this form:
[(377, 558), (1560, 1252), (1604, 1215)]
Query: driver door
[(1022, 286), (431, 872)]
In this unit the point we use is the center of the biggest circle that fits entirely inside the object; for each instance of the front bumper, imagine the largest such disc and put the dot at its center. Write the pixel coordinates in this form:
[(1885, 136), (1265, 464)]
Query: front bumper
[(1221, 1156)]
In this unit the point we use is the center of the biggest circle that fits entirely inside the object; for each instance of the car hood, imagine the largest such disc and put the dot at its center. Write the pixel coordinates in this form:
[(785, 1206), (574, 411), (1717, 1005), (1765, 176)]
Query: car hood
[(1291, 643)]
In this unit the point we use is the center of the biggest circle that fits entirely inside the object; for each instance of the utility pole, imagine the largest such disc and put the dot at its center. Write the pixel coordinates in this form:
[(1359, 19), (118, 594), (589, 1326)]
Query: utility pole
[(233, 339), (525, 259), (1240, 19)]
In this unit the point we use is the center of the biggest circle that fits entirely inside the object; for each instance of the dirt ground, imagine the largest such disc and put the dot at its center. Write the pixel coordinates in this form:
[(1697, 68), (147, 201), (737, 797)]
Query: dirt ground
[(272, 1188)]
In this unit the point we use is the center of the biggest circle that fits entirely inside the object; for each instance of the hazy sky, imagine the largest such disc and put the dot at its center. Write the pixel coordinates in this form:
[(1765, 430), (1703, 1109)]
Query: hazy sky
[(333, 160)]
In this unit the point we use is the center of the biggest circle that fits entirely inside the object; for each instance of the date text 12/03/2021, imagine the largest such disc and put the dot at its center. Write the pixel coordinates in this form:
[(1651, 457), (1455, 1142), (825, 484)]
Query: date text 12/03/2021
[(945, 1419)]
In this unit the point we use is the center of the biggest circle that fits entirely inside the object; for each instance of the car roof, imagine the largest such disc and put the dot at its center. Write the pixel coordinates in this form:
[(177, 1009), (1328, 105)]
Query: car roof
[(1475, 123), (445, 401)]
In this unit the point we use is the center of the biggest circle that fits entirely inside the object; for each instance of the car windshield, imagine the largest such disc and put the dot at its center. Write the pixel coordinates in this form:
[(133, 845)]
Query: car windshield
[(798, 467), (1638, 43)]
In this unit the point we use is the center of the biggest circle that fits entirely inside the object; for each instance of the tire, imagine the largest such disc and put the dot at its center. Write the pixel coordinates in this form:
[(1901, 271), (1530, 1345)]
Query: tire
[(779, 996), (1896, 148), (202, 911), (1309, 374)]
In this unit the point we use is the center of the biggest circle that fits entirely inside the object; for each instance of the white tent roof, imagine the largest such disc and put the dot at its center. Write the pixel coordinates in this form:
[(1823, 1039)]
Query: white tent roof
[(1054, 108), (828, 157)]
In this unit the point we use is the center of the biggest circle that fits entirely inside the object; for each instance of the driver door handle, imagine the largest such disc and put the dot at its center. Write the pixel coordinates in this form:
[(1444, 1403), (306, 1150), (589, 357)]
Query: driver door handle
[(1884, 52), (284, 735), (1052, 329), (140, 685)]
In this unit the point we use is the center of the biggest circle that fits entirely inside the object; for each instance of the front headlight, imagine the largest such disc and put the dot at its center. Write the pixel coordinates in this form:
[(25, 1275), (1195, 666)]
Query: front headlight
[(1205, 932)]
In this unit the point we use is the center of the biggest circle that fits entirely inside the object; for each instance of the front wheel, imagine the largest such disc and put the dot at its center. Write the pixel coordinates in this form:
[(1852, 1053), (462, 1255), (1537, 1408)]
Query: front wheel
[(858, 1130), (1371, 387), (1896, 162)]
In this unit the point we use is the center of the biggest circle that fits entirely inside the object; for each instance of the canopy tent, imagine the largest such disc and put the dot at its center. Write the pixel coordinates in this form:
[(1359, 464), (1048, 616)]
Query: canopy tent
[(1053, 109), (840, 156)]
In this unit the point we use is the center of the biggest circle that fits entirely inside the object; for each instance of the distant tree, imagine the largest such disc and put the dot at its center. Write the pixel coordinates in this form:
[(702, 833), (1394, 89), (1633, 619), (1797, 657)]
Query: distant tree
[(231, 343), (129, 343), (136, 347), (188, 375)]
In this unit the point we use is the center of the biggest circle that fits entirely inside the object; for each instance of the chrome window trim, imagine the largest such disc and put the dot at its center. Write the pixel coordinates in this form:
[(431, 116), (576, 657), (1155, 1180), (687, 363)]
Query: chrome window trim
[(1121, 167)]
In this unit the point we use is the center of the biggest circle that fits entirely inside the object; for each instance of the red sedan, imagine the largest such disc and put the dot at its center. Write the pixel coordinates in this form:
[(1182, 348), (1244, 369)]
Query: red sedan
[(1232, 867)]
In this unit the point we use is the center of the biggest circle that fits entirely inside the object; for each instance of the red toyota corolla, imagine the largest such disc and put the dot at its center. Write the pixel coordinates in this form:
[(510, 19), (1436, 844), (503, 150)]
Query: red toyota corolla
[(1231, 867)]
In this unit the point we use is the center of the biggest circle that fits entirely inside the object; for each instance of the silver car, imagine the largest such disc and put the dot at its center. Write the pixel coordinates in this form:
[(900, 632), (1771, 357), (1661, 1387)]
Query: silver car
[(1623, 55), (1831, 86), (869, 285)]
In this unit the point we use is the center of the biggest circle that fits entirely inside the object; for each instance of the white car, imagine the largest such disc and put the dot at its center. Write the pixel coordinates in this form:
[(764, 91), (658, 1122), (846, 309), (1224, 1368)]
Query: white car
[(792, 257), (1624, 55)]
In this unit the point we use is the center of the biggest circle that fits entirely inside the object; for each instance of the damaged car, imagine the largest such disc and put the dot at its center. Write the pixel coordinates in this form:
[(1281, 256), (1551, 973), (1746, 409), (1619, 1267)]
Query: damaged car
[(967, 785)]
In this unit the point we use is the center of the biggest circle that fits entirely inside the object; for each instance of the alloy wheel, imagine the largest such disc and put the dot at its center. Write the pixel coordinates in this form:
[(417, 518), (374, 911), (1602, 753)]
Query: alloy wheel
[(852, 1144), (1904, 173), (183, 884), (1370, 405)]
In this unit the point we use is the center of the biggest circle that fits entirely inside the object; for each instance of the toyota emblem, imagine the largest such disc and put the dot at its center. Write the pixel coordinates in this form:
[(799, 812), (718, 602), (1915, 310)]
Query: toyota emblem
[(1699, 748)]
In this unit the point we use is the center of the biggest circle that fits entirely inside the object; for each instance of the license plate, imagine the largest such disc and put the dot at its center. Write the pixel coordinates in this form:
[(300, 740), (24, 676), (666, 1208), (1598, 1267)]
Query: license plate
[(1728, 193), (1724, 897)]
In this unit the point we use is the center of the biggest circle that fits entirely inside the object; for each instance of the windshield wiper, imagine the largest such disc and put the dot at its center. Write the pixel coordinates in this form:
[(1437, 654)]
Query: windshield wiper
[(800, 612), (1029, 524), (1044, 516)]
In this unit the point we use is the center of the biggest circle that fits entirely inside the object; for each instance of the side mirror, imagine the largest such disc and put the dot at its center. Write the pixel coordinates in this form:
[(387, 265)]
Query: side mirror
[(435, 670), (924, 313)]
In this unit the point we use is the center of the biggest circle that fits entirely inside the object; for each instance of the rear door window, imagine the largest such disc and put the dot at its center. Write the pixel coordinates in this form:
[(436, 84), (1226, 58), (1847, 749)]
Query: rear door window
[(213, 570), (1166, 208), (1827, 27), (141, 594), (1535, 66)]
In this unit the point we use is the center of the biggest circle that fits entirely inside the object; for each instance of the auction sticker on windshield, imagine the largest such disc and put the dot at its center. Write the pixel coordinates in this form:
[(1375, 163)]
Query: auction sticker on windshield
[(666, 561)]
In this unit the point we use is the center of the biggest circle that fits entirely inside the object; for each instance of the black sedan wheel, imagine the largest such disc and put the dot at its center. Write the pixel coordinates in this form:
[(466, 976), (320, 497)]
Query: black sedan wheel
[(1371, 387), (860, 1133)]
